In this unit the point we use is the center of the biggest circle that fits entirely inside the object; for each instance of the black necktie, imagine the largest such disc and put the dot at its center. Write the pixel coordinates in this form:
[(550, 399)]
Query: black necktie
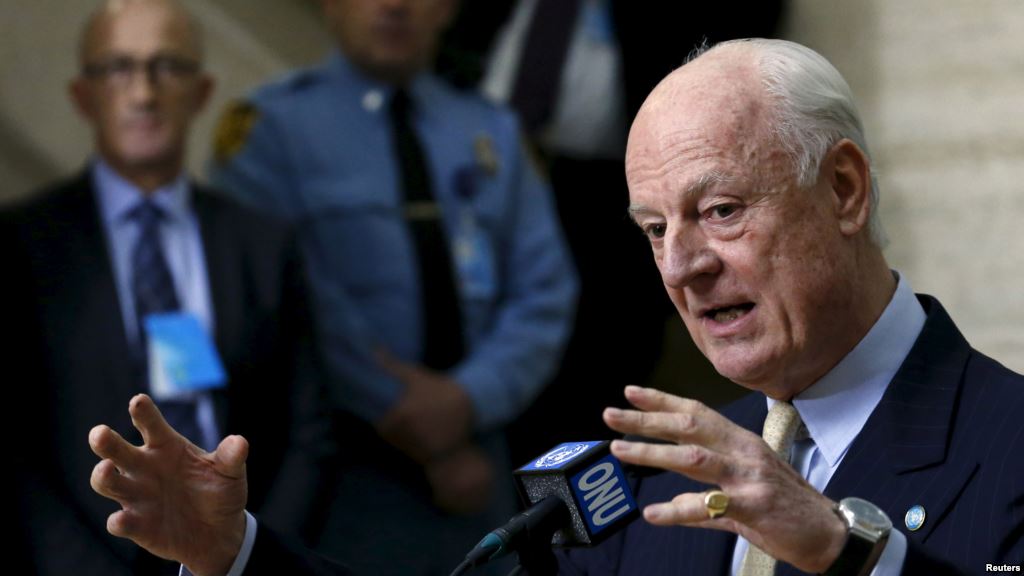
[(442, 320), (542, 59), (153, 288)]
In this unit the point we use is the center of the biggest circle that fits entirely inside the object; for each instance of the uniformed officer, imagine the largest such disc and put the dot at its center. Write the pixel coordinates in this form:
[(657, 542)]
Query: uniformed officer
[(442, 281)]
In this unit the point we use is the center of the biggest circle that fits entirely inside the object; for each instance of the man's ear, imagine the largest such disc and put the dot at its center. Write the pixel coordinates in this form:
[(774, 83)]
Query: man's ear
[(204, 90), (449, 9), (81, 97), (849, 173)]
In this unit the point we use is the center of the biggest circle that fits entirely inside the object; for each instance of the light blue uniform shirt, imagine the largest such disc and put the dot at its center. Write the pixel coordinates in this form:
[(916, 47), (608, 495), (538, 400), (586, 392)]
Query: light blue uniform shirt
[(182, 248), (320, 154), (835, 408)]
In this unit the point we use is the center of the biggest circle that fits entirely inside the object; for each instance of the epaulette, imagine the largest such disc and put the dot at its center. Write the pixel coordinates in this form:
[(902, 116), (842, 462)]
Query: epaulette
[(290, 83)]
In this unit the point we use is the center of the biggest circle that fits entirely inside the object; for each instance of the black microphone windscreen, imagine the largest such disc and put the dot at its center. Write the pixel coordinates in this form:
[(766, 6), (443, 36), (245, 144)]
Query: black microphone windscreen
[(592, 484)]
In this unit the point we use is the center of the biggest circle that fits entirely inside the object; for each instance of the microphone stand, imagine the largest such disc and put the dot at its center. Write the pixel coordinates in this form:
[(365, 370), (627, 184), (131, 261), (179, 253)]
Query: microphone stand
[(536, 559), (535, 555)]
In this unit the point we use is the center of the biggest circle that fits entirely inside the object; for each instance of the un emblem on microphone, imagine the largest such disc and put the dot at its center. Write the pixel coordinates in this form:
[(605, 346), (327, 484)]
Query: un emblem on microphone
[(560, 455)]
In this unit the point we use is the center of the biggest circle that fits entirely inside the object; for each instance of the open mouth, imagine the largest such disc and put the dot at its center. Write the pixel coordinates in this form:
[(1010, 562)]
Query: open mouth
[(728, 313)]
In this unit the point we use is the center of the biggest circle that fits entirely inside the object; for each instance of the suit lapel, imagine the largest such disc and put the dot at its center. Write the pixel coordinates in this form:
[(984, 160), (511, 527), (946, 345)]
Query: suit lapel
[(897, 461), (82, 315), (224, 262), (94, 369)]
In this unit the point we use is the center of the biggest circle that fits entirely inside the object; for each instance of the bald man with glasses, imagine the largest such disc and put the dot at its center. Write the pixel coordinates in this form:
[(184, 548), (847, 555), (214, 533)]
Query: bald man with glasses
[(94, 259)]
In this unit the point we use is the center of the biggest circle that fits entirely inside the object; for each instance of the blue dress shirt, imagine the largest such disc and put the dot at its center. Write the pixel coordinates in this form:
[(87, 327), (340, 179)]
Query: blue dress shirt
[(182, 248), (835, 408)]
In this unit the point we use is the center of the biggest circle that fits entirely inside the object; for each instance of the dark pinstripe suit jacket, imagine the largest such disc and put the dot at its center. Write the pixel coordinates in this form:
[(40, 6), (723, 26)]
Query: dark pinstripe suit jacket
[(62, 334), (948, 434)]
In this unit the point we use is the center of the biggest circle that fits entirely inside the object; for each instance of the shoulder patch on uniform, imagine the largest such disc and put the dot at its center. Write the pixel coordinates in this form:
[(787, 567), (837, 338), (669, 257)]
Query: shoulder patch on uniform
[(233, 129)]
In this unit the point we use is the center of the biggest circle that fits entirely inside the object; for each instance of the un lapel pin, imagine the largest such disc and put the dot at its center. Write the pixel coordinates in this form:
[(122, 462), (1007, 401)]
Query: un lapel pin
[(915, 517)]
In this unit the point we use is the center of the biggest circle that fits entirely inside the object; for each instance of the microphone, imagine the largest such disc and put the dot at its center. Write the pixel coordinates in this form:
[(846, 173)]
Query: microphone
[(532, 527), (576, 495)]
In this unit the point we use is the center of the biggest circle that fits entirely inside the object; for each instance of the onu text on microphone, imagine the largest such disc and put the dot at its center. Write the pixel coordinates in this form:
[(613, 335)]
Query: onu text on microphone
[(576, 494)]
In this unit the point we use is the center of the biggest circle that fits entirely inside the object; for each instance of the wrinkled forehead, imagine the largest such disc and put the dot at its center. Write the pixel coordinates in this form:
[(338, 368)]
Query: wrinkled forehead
[(715, 101)]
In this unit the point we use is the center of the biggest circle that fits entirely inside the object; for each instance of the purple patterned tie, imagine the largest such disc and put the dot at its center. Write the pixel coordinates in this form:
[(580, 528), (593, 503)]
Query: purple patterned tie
[(153, 288)]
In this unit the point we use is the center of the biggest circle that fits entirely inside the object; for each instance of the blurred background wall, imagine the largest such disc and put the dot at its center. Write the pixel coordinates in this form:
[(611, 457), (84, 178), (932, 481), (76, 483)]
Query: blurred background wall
[(940, 85), (941, 88)]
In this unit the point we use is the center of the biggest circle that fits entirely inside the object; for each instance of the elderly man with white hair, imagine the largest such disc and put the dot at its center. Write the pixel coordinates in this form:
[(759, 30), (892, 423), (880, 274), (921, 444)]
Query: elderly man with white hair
[(877, 441)]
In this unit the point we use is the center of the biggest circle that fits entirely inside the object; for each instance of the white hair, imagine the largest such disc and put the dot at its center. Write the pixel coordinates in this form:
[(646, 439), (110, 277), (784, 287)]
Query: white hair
[(813, 108)]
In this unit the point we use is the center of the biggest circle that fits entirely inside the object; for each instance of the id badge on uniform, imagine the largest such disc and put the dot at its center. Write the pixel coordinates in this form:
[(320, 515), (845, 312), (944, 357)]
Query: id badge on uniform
[(182, 357), (474, 258), (474, 254)]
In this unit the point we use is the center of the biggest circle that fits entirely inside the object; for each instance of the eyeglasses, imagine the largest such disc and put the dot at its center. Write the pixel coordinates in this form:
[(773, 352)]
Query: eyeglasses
[(161, 71)]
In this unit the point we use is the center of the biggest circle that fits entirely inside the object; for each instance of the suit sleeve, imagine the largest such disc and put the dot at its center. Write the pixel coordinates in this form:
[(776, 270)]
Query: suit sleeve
[(274, 554)]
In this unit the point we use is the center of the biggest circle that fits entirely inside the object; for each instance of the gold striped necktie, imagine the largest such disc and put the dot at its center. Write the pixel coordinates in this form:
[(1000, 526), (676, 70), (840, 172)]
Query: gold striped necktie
[(780, 428)]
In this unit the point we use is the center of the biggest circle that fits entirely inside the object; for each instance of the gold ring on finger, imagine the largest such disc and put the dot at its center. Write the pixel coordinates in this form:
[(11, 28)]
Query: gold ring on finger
[(716, 502)]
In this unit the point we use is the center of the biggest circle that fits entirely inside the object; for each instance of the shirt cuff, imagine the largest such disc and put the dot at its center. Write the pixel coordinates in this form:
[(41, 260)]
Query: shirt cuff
[(492, 405), (243, 553), (891, 561)]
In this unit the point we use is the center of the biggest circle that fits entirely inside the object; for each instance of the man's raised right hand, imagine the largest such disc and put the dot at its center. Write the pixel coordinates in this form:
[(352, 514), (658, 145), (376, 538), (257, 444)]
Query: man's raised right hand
[(178, 501)]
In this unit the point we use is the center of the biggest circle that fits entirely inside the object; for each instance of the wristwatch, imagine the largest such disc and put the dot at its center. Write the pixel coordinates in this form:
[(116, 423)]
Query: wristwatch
[(867, 531)]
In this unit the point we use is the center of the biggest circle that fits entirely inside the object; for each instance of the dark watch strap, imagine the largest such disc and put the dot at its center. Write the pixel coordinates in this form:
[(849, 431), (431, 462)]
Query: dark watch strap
[(858, 557)]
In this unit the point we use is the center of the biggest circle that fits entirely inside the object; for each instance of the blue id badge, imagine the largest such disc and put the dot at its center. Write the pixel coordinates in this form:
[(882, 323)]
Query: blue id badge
[(182, 357), (474, 258)]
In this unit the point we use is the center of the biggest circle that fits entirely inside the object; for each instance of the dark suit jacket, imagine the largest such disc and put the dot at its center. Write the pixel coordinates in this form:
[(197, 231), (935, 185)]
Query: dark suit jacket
[(274, 554), (948, 434), (65, 335)]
